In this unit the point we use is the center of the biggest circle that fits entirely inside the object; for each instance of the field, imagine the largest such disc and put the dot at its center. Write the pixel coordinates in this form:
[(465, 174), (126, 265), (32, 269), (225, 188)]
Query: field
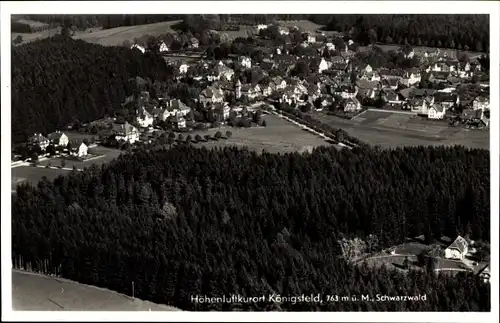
[(32, 175), (391, 129), (34, 292), (107, 37), (279, 136), (109, 155)]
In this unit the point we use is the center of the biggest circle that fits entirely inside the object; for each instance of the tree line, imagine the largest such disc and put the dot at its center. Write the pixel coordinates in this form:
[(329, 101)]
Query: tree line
[(186, 221)]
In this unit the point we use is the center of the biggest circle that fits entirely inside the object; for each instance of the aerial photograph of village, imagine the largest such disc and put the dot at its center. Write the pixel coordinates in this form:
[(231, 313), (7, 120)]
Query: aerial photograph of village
[(263, 162)]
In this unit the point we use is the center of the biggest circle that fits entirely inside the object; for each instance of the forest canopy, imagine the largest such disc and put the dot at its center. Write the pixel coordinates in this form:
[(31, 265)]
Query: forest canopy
[(187, 221)]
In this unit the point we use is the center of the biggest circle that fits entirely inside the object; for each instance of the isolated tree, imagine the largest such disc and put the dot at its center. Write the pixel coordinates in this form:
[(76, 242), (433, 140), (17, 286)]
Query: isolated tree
[(207, 137), (218, 135), (372, 242), (188, 139), (170, 141), (34, 157), (18, 39), (180, 138), (198, 138), (63, 162), (340, 135), (51, 150), (406, 263), (168, 211), (229, 134)]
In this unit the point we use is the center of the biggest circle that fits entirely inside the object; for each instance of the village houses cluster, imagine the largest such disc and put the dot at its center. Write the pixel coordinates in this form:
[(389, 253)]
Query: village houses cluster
[(318, 80), (329, 80)]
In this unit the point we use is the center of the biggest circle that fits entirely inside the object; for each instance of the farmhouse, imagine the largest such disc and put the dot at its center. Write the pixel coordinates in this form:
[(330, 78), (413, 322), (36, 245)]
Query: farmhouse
[(177, 106), (126, 132), (58, 138), (392, 83), (78, 149), (391, 97), (457, 250), (351, 105), (211, 95), (437, 111), (417, 105), (448, 100), (411, 77)]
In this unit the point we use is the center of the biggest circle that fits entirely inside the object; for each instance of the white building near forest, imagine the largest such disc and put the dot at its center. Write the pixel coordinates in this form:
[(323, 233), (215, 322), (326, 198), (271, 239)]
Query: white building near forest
[(457, 250)]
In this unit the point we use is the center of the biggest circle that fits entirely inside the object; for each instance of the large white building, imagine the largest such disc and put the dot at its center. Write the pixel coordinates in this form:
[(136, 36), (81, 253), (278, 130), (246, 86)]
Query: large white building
[(457, 250)]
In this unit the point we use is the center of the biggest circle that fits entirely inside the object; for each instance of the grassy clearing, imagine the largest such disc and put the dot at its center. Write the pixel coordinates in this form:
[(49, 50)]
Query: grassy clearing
[(301, 24), (34, 292), (279, 136), (33, 175), (391, 130), (109, 155)]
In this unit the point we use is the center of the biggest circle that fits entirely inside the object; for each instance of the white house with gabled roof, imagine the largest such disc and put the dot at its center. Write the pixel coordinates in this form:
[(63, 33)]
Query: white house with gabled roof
[(458, 249)]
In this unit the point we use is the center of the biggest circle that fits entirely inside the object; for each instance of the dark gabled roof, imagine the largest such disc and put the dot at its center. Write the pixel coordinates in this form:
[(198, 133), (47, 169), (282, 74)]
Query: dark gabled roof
[(460, 244), (365, 84), (472, 114), (392, 82), (438, 107), (445, 97), (55, 135)]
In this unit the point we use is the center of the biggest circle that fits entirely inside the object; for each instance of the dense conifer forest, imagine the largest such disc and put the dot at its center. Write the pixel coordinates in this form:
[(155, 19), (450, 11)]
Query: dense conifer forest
[(58, 80), (467, 32), (187, 221)]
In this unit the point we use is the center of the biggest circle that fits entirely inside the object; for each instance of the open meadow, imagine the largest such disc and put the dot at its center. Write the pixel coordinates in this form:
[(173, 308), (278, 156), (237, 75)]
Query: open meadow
[(105, 155), (391, 130), (36, 292), (33, 175), (279, 136), (107, 37)]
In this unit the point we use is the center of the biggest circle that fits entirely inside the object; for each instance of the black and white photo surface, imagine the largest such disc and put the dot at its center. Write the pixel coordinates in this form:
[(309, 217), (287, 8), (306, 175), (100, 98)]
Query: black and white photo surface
[(335, 162)]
